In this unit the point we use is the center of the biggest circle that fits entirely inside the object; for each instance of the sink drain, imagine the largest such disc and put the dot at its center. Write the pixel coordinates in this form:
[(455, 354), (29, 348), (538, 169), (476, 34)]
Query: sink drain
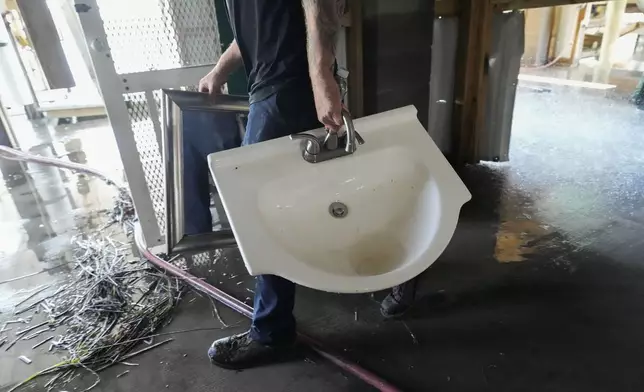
[(338, 210)]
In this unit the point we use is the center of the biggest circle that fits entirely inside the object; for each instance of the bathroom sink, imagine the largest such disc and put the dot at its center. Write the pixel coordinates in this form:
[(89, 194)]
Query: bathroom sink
[(357, 223)]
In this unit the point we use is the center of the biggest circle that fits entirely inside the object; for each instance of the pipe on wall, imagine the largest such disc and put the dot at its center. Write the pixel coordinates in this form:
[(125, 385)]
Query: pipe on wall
[(614, 11)]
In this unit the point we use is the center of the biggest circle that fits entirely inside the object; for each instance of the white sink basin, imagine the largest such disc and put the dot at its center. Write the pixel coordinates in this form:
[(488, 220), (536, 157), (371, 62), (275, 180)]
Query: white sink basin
[(400, 201)]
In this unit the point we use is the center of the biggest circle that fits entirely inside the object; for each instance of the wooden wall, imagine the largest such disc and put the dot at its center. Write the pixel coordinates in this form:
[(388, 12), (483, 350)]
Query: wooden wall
[(397, 39), (391, 45)]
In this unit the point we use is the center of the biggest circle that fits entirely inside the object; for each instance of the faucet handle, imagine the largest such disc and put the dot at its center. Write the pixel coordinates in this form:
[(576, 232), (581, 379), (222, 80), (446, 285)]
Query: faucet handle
[(331, 140), (359, 138), (312, 142)]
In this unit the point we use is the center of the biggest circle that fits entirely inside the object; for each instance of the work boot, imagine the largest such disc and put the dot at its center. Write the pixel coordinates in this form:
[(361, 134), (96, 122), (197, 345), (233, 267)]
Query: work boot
[(399, 300), (240, 352)]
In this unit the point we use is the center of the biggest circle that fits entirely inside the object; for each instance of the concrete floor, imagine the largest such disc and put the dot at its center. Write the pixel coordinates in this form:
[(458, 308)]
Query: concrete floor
[(42, 208), (538, 290)]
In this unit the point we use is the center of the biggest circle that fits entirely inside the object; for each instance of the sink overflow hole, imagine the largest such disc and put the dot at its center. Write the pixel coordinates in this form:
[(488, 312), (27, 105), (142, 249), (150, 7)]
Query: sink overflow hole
[(338, 210)]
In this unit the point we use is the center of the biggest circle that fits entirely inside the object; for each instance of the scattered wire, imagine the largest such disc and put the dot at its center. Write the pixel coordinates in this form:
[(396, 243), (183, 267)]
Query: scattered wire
[(41, 342), (141, 351), (20, 277), (413, 337), (215, 313), (110, 303), (42, 271), (123, 212), (165, 334)]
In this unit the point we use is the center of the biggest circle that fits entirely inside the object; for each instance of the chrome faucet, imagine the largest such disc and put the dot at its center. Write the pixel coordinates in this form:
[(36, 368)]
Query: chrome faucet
[(319, 149)]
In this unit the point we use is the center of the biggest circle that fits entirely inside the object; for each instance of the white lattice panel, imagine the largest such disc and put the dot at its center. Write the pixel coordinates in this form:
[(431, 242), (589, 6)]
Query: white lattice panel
[(147, 35), (149, 151), (137, 48)]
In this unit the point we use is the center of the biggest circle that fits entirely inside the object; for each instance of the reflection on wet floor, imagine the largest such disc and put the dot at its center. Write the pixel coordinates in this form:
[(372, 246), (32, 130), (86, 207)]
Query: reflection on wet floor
[(42, 209), (539, 288), (576, 170)]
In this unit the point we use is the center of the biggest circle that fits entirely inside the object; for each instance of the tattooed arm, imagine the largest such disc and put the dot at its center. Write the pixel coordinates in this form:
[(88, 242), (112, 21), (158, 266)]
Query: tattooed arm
[(322, 26)]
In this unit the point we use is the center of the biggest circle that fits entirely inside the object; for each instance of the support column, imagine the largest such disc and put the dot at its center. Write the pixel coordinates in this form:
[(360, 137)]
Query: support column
[(45, 42), (614, 11), (471, 78), (545, 26)]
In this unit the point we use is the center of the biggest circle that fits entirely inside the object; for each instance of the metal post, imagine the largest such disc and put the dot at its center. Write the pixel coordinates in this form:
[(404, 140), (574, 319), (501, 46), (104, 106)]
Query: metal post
[(173, 160), (614, 11), (45, 41), (541, 56)]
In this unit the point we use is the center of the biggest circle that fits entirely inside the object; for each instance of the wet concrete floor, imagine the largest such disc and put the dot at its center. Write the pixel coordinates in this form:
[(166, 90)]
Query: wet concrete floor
[(538, 290), (42, 209)]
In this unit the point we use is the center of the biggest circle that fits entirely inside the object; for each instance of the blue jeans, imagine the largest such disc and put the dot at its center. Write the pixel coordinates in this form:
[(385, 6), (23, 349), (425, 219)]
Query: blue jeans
[(203, 134), (281, 114)]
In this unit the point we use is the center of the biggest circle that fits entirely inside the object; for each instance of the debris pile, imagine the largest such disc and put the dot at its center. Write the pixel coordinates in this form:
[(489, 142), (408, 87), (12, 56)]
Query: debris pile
[(111, 303), (123, 212)]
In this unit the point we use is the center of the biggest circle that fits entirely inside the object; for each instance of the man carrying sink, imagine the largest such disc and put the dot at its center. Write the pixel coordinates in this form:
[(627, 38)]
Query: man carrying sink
[(287, 48)]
